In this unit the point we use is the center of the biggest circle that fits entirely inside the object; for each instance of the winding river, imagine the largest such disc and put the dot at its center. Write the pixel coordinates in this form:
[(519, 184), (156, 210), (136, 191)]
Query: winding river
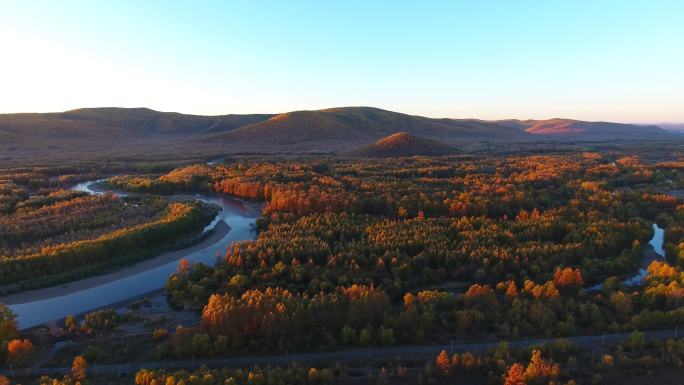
[(658, 254), (233, 223), (653, 252)]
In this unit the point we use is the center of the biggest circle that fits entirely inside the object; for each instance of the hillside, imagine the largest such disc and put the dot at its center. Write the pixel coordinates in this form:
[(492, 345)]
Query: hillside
[(106, 132), (402, 144), (361, 123), (677, 127), (141, 132), (580, 128), (131, 121)]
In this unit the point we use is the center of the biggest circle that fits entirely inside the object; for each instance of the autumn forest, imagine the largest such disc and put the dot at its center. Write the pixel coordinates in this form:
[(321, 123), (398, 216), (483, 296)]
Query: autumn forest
[(501, 268)]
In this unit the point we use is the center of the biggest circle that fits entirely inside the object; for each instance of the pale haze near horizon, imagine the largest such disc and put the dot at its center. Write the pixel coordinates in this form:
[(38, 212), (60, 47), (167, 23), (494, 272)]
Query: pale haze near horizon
[(592, 60)]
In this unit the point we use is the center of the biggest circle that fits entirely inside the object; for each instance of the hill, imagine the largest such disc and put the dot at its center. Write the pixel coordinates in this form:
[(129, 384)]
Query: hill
[(677, 127), (360, 123), (143, 133), (402, 144), (107, 132), (131, 121), (580, 128)]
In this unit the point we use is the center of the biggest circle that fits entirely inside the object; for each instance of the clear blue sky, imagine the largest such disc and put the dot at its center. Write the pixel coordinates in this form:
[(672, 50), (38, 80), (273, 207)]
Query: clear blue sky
[(620, 60)]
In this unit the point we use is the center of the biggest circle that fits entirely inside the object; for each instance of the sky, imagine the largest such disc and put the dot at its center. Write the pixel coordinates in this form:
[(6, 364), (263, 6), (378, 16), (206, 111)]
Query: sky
[(586, 59)]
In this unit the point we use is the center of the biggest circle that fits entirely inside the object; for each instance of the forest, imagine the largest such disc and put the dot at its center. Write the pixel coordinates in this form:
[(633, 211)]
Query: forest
[(409, 250), (352, 253)]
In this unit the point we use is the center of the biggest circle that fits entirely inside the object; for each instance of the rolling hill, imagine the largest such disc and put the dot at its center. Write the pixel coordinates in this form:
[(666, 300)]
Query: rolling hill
[(115, 132), (361, 123), (131, 121), (108, 132), (676, 127), (402, 144), (577, 127)]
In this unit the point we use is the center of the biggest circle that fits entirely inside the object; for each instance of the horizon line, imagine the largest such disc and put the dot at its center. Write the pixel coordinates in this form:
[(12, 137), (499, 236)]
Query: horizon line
[(653, 123)]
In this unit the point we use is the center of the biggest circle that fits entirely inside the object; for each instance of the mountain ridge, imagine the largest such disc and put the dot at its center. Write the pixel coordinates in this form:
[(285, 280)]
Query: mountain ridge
[(556, 126), (139, 120), (113, 131), (359, 122), (370, 120)]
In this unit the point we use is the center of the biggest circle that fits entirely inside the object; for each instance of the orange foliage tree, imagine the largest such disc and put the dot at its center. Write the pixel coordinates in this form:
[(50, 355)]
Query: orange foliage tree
[(18, 350), (515, 375), (442, 362)]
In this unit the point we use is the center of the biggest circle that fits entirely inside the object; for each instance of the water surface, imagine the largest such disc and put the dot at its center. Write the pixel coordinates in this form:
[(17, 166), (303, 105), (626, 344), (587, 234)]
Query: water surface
[(238, 215)]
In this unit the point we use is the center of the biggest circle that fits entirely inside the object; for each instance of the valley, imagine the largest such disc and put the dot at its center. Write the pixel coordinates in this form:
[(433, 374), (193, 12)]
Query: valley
[(400, 252), (341, 193)]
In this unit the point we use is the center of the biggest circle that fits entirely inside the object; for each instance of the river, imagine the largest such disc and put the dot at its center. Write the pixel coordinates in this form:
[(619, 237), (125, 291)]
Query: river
[(653, 252), (111, 288), (657, 254)]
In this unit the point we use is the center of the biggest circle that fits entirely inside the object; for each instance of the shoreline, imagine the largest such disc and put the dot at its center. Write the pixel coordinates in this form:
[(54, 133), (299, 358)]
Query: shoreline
[(220, 230), (649, 255)]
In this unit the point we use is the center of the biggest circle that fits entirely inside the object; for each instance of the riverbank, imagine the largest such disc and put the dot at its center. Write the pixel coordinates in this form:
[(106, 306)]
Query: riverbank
[(649, 255), (220, 231), (652, 251), (38, 307)]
